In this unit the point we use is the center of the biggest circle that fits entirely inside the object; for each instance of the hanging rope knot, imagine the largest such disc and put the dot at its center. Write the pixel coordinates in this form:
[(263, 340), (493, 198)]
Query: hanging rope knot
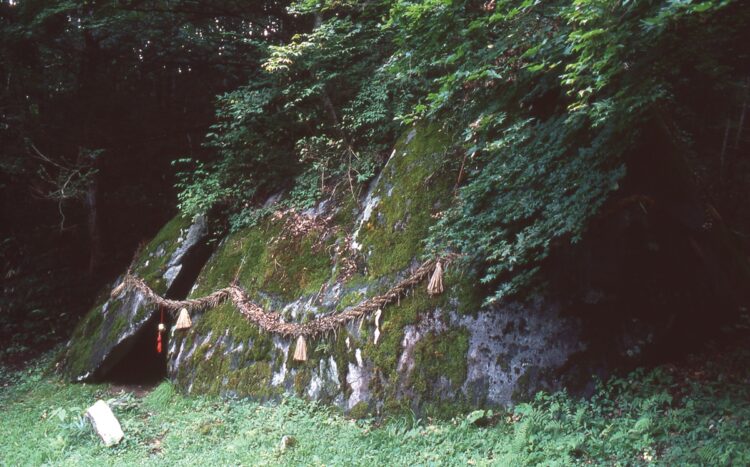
[(435, 287)]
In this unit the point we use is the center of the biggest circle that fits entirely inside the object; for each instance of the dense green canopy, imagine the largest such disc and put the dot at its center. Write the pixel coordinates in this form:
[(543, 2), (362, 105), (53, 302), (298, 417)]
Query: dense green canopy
[(548, 101)]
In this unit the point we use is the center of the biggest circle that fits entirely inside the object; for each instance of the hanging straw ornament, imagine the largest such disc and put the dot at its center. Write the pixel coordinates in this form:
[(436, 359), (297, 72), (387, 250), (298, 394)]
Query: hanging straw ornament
[(183, 320), (300, 351), (435, 287)]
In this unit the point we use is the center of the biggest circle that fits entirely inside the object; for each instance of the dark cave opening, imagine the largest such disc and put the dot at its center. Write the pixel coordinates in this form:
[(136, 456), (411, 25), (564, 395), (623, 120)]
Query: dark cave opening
[(141, 363), (137, 361)]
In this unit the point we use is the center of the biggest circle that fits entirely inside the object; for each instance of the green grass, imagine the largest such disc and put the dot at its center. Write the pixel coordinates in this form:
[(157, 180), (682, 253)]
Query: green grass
[(698, 414)]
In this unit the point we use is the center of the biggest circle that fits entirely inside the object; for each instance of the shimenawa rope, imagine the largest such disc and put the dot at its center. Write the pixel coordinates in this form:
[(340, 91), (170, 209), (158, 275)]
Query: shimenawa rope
[(272, 321)]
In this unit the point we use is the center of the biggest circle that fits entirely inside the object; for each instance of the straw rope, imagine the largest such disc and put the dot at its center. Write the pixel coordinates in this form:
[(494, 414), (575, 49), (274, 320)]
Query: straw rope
[(271, 321)]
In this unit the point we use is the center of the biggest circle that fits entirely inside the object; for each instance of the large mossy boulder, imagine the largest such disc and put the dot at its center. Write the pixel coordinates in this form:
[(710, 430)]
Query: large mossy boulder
[(109, 330), (635, 287), (444, 349)]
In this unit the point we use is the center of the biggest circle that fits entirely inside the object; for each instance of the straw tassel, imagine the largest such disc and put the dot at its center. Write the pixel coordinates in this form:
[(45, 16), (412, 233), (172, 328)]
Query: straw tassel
[(435, 287), (300, 351), (183, 320)]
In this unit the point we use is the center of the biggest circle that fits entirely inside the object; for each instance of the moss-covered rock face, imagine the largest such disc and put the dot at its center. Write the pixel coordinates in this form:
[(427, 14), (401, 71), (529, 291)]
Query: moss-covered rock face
[(107, 332), (421, 350), (418, 351), (399, 210)]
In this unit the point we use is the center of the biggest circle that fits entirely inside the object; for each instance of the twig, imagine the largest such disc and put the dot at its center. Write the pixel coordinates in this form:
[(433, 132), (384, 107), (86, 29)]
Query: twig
[(349, 174), (460, 172), (45, 158)]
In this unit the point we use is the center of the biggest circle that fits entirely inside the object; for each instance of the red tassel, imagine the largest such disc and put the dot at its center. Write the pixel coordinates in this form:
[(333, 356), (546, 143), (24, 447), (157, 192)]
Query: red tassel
[(158, 333)]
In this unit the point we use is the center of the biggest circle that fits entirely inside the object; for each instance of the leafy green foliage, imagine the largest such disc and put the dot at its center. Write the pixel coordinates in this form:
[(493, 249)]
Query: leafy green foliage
[(550, 98), (317, 117), (526, 192)]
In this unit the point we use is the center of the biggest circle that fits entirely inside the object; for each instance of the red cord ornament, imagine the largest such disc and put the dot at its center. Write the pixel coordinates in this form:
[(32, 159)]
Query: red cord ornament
[(159, 333)]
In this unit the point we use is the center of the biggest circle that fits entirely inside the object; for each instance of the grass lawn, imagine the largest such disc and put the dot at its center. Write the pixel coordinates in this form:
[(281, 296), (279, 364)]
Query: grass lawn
[(697, 414)]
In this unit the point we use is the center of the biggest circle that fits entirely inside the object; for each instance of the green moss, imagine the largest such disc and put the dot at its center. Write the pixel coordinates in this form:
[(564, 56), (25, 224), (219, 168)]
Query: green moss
[(359, 411), (521, 388), (250, 375), (182, 377), (78, 355), (152, 263), (213, 375), (413, 188), (188, 372), (117, 328), (386, 353), (465, 290), (301, 380), (393, 406), (393, 321), (348, 209), (277, 362), (350, 299), (90, 323), (225, 318), (296, 269), (342, 356), (287, 268), (439, 355), (253, 380), (209, 373), (221, 372), (242, 256)]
